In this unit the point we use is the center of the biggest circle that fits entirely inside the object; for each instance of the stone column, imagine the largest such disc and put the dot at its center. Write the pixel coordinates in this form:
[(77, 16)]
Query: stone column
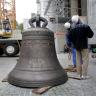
[(38, 7), (84, 7), (91, 6), (74, 7)]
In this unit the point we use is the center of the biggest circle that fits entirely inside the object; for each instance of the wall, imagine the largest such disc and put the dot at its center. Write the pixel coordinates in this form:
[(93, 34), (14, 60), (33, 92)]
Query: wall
[(92, 18), (84, 7)]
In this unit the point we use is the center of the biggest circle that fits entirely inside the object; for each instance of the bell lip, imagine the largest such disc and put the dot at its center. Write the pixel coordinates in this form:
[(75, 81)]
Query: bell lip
[(37, 84)]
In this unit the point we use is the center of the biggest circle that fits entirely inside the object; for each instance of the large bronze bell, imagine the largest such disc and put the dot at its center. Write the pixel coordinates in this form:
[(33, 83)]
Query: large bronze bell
[(38, 65)]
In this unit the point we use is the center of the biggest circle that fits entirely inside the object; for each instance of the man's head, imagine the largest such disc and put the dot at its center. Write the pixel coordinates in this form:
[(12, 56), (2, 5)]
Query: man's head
[(67, 25), (75, 19)]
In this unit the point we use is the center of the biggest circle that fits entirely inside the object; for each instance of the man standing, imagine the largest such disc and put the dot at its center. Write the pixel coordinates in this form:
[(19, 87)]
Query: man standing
[(79, 37)]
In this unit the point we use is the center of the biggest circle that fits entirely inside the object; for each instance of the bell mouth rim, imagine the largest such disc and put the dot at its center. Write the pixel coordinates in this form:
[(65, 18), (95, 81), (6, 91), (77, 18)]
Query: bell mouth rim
[(36, 84)]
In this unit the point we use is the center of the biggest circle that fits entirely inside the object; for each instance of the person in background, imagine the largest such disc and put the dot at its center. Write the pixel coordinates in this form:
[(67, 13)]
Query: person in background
[(67, 25), (79, 34), (74, 57), (73, 24)]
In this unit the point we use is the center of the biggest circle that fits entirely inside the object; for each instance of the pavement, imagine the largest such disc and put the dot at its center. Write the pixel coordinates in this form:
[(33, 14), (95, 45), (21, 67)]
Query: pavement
[(72, 87)]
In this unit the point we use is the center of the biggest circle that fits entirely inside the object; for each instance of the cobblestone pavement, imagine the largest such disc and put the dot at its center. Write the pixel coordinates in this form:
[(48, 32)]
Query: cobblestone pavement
[(73, 87)]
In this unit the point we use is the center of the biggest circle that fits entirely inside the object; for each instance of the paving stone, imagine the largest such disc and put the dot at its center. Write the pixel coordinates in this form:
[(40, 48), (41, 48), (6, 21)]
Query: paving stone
[(72, 87)]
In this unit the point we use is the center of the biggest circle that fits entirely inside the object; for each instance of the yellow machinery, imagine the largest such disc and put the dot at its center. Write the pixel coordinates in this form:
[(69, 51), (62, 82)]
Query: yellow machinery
[(7, 17), (10, 38)]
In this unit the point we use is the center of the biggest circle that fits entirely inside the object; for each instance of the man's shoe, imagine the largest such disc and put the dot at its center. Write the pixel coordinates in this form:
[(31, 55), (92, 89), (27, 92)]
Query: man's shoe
[(84, 77), (87, 77)]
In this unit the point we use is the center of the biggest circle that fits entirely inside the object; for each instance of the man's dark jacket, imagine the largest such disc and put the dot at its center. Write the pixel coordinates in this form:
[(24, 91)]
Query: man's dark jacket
[(79, 36)]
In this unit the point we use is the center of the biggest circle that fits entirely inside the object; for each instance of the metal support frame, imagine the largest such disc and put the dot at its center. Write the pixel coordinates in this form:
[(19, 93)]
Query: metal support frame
[(60, 8), (46, 10)]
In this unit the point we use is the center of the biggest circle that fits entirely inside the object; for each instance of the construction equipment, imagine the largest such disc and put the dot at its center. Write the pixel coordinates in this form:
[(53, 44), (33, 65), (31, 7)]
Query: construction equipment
[(10, 37)]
